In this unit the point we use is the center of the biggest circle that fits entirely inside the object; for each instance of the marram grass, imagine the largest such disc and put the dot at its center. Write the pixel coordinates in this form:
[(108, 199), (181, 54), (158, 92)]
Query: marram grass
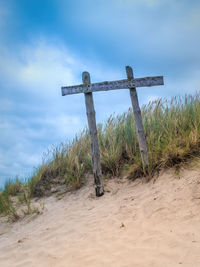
[(172, 130)]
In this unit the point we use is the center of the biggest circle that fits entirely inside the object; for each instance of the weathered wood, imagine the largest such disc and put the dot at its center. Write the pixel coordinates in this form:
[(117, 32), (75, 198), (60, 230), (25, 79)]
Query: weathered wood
[(87, 88), (138, 120), (112, 85), (93, 138)]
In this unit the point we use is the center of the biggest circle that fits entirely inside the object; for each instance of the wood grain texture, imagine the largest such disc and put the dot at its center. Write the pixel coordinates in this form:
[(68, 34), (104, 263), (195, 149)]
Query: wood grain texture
[(112, 85), (138, 120), (95, 155)]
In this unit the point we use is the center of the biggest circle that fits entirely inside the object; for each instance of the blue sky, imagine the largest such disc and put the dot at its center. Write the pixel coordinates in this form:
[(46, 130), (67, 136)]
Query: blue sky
[(48, 43)]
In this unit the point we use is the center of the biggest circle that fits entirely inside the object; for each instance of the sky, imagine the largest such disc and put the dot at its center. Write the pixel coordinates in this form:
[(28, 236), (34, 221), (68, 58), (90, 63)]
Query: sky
[(46, 44)]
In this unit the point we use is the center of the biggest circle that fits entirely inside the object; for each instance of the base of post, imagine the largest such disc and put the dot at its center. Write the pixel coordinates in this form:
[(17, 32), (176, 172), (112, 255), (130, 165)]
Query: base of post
[(99, 191)]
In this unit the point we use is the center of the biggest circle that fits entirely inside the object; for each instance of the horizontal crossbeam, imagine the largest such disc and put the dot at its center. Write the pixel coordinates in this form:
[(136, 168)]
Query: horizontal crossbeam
[(112, 85)]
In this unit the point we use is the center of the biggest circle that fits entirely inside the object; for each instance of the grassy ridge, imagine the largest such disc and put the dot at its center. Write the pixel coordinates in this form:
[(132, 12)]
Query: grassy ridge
[(172, 131)]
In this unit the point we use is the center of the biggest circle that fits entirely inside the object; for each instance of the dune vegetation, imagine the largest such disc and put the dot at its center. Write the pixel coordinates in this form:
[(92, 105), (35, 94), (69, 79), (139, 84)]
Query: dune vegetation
[(172, 129)]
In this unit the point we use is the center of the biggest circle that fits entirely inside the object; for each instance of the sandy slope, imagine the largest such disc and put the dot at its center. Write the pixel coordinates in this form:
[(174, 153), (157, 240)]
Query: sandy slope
[(135, 224)]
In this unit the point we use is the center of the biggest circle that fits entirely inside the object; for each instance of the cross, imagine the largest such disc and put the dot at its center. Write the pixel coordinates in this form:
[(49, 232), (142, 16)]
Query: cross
[(88, 88)]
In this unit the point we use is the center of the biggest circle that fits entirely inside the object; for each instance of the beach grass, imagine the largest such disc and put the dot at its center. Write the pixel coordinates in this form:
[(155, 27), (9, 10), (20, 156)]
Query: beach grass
[(172, 129)]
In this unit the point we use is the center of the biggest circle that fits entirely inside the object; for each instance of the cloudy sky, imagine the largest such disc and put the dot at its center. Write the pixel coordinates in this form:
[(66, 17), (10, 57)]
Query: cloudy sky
[(45, 44)]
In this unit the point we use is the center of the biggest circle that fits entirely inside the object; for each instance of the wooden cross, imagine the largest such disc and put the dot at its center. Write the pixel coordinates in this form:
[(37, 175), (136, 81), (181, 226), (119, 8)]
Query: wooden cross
[(88, 88)]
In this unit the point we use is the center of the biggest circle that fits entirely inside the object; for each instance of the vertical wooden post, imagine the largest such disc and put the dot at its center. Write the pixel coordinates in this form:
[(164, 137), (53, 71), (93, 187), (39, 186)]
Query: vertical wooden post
[(138, 121), (99, 188)]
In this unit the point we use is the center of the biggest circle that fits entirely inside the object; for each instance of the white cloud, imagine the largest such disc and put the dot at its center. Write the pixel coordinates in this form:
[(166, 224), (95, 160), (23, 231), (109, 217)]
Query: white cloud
[(35, 74), (39, 67)]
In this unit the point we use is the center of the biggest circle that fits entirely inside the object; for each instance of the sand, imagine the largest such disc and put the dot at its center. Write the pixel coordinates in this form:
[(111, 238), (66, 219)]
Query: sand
[(135, 224)]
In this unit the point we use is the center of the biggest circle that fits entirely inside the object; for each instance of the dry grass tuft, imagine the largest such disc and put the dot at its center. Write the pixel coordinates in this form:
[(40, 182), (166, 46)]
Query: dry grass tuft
[(172, 131)]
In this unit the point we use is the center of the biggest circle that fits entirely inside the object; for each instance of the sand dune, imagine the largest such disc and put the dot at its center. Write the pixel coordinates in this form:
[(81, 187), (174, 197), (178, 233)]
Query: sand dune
[(134, 225)]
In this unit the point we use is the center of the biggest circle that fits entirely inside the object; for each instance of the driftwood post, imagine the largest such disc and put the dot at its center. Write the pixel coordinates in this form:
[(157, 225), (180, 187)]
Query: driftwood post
[(88, 88), (138, 121), (99, 188)]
